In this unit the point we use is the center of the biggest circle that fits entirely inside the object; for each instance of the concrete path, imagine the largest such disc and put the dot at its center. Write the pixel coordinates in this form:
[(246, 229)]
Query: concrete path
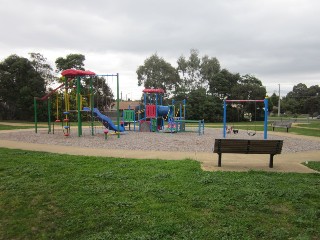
[(230, 162), (289, 162)]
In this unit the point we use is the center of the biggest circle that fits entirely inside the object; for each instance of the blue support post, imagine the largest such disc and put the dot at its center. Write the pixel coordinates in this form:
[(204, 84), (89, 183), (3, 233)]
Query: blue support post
[(156, 120), (156, 105), (118, 101), (265, 118), (180, 115), (224, 118), (184, 109), (139, 117), (174, 109), (203, 126)]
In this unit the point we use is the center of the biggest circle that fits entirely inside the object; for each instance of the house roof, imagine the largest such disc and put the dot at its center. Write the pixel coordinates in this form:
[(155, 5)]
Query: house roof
[(125, 104)]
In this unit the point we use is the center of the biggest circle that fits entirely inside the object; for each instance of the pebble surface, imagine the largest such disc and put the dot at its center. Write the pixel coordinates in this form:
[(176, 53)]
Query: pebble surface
[(147, 141)]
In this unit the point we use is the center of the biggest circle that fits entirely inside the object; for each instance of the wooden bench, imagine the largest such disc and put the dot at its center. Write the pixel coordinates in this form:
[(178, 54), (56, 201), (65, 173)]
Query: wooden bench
[(282, 124), (244, 146)]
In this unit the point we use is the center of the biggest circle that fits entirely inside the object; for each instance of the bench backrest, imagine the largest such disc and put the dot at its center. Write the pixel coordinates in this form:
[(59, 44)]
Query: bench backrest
[(248, 146), (282, 124)]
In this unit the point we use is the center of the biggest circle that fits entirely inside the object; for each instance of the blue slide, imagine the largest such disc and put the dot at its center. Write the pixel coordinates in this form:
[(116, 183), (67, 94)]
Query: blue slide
[(105, 120)]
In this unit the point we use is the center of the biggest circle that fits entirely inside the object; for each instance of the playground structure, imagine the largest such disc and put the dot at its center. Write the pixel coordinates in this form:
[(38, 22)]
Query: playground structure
[(265, 126), (156, 114), (72, 80)]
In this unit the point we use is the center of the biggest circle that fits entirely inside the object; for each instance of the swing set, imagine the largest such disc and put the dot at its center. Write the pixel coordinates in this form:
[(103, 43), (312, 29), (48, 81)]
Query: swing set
[(227, 129)]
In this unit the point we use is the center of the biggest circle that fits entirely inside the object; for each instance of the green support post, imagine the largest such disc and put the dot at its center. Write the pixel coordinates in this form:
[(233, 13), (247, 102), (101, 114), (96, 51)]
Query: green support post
[(91, 106), (78, 107), (105, 134), (35, 115), (49, 115), (154, 125)]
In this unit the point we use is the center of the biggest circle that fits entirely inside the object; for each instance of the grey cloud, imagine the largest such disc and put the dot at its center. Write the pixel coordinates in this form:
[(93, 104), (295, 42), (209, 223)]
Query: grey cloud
[(267, 38)]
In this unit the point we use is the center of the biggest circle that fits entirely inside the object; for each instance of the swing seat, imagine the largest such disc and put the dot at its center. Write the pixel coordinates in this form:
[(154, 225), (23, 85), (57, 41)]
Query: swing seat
[(66, 127), (251, 133), (58, 120)]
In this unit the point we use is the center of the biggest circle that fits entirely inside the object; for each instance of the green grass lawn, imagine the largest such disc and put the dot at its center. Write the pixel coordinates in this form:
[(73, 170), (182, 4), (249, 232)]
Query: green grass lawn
[(313, 165), (8, 127), (52, 196), (310, 129), (313, 124)]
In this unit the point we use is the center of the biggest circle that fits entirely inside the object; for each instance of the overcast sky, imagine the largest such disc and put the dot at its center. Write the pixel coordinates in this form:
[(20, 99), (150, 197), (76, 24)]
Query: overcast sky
[(278, 41)]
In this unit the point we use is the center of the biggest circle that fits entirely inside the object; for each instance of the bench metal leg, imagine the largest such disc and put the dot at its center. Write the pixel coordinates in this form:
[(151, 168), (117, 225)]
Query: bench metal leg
[(219, 160), (271, 161)]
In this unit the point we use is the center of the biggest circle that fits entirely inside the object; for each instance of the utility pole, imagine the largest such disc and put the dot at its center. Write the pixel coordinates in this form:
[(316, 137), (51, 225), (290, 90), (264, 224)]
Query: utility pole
[(279, 102)]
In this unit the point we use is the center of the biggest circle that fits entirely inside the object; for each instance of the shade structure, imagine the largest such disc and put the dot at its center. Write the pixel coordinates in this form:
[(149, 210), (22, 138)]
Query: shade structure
[(153, 90), (75, 72)]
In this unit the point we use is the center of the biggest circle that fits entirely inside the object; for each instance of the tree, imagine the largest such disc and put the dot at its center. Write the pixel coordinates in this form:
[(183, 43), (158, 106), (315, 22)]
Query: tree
[(302, 100), (209, 68), (295, 100), (273, 103), (39, 62), (312, 106), (196, 72), (249, 88), (190, 70), (75, 61), (102, 92), (312, 103), (221, 83), (157, 73), (19, 84), (200, 105), (290, 105), (193, 75)]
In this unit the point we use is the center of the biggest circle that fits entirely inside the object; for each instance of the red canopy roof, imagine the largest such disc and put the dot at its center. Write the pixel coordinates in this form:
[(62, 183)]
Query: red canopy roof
[(75, 72), (153, 90)]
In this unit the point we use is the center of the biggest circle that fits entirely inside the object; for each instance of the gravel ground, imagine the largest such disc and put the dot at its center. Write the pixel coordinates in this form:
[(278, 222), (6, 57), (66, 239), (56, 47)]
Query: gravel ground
[(181, 142)]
